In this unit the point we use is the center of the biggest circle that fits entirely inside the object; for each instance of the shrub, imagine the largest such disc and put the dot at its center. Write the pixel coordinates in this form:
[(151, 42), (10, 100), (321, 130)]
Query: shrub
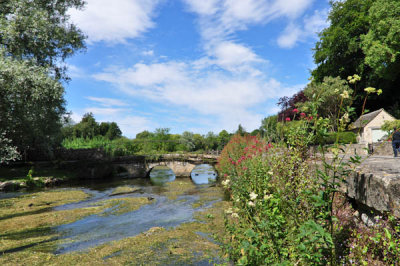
[(347, 137), (272, 217)]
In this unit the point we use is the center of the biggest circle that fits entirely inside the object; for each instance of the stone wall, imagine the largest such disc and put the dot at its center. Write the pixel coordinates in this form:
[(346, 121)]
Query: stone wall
[(382, 148), (64, 155), (376, 184), (348, 149), (376, 148)]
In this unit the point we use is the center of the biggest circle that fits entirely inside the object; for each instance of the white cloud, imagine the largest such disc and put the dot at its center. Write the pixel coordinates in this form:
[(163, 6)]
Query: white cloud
[(229, 55), (204, 7), (114, 21), (107, 102), (104, 111), (220, 20), (75, 72), (130, 125), (148, 53), (145, 75), (291, 8), (76, 117), (317, 22), (290, 36), (311, 26), (226, 97)]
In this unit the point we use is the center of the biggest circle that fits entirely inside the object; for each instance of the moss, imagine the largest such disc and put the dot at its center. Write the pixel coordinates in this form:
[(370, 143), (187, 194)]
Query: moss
[(124, 190), (179, 187), (123, 205), (181, 245), (35, 202)]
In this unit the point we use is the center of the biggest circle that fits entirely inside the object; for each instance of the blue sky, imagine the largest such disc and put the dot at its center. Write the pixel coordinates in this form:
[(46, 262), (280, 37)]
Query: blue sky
[(191, 65)]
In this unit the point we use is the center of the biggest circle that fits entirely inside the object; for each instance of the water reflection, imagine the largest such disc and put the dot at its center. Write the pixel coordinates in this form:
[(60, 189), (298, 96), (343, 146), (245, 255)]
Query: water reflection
[(203, 174), (160, 175)]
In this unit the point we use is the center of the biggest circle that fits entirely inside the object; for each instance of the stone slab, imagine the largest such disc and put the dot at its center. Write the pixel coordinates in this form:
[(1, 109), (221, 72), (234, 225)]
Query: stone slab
[(376, 183)]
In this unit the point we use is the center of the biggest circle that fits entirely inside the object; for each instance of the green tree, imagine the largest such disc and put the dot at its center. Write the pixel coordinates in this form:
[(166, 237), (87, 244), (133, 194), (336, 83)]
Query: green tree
[(363, 38), (199, 142), (241, 130), (87, 128), (31, 106), (211, 141), (161, 138), (223, 139), (113, 131), (103, 128), (269, 128), (338, 52), (40, 31), (7, 151), (381, 45), (35, 39), (187, 141)]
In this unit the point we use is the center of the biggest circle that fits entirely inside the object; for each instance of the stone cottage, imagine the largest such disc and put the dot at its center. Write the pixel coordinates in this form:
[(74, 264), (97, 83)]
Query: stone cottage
[(368, 126)]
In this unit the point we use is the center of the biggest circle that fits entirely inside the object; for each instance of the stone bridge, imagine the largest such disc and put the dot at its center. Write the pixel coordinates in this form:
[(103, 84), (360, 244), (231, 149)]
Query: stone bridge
[(180, 164)]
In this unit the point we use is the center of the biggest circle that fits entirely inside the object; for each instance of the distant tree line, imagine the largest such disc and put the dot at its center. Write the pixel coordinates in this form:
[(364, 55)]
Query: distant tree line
[(88, 128), (90, 134)]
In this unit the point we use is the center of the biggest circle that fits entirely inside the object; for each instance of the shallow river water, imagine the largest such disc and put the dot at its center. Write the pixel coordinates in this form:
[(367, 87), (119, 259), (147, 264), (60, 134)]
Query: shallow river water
[(125, 208), (164, 212)]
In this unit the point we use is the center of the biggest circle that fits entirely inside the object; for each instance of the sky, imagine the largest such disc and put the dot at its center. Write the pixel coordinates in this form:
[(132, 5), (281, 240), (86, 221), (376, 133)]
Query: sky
[(191, 65)]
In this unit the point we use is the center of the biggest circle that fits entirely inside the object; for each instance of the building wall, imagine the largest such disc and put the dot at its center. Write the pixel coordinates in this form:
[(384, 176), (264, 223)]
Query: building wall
[(377, 122)]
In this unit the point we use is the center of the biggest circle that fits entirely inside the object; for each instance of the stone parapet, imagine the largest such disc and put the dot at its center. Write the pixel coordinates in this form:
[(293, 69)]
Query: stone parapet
[(382, 148), (376, 184)]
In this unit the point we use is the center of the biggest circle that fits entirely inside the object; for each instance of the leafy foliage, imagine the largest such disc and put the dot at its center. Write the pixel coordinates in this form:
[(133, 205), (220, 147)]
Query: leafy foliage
[(88, 128), (289, 104), (363, 38), (40, 32), (32, 104), (328, 96), (7, 151), (35, 39)]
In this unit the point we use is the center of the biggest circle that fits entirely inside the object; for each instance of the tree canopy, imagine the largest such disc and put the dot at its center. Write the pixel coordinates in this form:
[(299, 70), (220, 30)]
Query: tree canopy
[(88, 128), (35, 38), (363, 38), (40, 31)]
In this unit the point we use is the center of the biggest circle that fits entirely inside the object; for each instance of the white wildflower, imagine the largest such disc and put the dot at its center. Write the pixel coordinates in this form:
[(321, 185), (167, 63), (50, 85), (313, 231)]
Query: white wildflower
[(267, 197), (235, 215), (229, 211), (251, 204), (345, 94), (226, 182), (253, 196), (370, 90)]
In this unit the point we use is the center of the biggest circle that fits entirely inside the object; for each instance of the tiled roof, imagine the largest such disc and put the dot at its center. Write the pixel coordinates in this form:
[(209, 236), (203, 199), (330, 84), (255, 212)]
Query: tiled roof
[(363, 120)]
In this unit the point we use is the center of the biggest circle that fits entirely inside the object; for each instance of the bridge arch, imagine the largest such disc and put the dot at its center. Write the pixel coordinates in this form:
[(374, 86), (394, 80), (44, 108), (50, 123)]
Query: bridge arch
[(140, 166), (180, 168)]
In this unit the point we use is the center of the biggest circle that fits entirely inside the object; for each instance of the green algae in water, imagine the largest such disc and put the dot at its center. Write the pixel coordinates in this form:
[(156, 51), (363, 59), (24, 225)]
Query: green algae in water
[(178, 245)]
